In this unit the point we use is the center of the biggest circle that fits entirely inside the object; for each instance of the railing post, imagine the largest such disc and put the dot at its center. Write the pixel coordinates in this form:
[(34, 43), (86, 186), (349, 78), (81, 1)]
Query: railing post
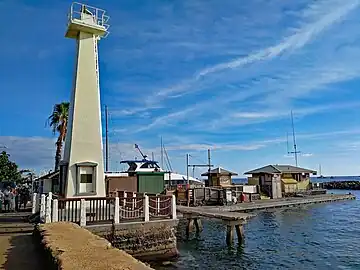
[(125, 196), (50, 195), (83, 213), (48, 209), (146, 208), (55, 211), (117, 210), (34, 203), (173, 207), (134, 201), (37, 205), (157, 204), (42, 207)]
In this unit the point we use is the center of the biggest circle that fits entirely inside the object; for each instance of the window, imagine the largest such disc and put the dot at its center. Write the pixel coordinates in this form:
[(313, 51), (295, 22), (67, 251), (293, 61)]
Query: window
[(148, 165), (86, 178), (145, 166)]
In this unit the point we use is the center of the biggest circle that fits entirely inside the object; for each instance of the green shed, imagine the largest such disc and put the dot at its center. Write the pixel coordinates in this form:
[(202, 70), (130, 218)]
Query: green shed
[(150, 182)]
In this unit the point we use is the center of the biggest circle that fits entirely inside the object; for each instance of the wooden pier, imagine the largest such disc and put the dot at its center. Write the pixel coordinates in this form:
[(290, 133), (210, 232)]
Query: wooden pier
[(232, 220), (284, 202), (230, 215)]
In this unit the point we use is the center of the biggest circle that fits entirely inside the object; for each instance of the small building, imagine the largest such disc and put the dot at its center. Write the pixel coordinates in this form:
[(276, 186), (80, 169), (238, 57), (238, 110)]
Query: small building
[(219, 177), (281, 180), (120, 181), (48, 183)]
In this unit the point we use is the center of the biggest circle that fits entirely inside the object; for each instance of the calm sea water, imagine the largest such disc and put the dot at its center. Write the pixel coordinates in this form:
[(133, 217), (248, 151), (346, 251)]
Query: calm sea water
[(320, 236)]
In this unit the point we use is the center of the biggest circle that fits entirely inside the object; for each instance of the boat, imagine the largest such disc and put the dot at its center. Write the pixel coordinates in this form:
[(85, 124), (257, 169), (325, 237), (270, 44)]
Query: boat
[(172, 179)]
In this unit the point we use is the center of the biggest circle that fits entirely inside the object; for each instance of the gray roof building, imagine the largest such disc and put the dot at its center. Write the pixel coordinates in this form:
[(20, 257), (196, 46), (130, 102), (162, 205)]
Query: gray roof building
[(272, 169), (219, 170)]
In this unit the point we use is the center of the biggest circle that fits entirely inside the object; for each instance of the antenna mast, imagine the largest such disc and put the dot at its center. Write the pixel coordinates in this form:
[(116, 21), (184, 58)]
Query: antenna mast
[(295, 152)]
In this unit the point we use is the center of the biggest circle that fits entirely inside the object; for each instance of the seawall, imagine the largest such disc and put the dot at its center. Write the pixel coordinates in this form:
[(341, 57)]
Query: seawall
[(67, 246), (150, 241), (349, 185)]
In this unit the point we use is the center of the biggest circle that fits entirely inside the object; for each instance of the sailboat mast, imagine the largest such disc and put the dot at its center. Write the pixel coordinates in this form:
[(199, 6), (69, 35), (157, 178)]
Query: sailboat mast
[(162, 153), (295, 152), (293, 130)]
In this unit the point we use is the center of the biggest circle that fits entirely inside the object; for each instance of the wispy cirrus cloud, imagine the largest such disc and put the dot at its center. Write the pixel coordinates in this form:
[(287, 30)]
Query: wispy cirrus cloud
[(318, 17), (255, 117), (273, 76)]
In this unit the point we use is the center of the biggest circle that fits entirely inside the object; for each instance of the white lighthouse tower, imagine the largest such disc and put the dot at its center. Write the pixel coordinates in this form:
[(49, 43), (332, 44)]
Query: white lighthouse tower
[(82, 169)]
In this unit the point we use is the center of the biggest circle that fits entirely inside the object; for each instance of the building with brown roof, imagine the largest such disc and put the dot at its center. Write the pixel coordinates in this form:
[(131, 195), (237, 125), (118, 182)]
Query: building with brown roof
[(281, 180), (219, 177)]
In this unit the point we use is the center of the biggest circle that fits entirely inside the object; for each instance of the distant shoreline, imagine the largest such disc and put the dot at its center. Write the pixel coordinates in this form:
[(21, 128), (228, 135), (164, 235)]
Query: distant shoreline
[(315, 179)]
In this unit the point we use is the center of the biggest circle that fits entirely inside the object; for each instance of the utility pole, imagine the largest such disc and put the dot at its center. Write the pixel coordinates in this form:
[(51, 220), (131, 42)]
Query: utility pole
[(209, 160), (193, 166), (187, 168), (106, 140)]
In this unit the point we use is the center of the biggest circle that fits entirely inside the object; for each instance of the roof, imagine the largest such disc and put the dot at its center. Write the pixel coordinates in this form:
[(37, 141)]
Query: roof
[(271, 169), (219, 170), (49, 175), (139, 160)]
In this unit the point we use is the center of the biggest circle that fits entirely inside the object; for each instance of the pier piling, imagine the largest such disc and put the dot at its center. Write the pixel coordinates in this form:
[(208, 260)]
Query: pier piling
[(232, 221)]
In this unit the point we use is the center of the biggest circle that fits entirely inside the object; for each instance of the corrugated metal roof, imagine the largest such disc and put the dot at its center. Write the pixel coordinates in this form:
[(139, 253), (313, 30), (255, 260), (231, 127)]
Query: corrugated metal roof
[(219, 170), (271, 169), (289, 168)]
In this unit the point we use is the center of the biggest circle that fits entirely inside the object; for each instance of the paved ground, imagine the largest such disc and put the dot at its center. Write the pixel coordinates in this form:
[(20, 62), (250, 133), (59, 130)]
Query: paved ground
[(17, 251)]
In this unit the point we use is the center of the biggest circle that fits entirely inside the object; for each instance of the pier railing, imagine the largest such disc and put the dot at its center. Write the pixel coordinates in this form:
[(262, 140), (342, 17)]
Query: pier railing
[(161, 206), (105, 210)]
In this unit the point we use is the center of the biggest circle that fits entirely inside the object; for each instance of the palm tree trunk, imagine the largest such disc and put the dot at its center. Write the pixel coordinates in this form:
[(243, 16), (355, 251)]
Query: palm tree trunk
[(58, 155)]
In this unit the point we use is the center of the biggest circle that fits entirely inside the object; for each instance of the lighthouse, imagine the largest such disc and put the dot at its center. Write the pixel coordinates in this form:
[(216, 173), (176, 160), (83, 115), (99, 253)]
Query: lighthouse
[(82, 169)]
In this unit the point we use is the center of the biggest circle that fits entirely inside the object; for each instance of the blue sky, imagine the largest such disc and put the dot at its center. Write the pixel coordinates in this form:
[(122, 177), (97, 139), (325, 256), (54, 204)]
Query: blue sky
[(202, 74)]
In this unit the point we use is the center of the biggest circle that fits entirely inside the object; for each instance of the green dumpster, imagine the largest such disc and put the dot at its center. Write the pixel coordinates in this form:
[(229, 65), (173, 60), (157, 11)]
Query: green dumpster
[(150, 182)]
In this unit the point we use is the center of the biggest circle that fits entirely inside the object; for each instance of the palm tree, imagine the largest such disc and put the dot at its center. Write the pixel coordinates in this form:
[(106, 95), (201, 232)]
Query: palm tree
[(58, 122)]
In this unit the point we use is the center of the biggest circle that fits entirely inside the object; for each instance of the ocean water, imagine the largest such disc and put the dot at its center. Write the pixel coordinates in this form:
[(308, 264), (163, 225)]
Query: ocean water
[(313, 179), (319, 236)]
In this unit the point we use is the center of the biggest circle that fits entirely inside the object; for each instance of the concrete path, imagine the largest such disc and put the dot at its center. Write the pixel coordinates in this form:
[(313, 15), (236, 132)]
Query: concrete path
[(17, 251)]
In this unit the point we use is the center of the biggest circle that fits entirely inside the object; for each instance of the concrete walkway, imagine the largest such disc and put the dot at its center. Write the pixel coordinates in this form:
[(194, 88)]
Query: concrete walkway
[(17, 250)]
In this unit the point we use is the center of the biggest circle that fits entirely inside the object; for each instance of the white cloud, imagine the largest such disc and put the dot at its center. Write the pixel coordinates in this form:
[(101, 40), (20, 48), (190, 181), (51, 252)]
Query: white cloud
[(38, 152), (30, 152), (256, 117), (165, 120), (301, 72), (320, 16)]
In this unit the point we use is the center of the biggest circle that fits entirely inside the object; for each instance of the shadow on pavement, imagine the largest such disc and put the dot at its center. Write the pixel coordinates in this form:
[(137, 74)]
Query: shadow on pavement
[(20, 252)]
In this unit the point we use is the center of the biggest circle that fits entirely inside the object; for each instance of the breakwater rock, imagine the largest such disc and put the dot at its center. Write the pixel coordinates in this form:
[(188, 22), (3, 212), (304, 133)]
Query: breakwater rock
[(352, 185)]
